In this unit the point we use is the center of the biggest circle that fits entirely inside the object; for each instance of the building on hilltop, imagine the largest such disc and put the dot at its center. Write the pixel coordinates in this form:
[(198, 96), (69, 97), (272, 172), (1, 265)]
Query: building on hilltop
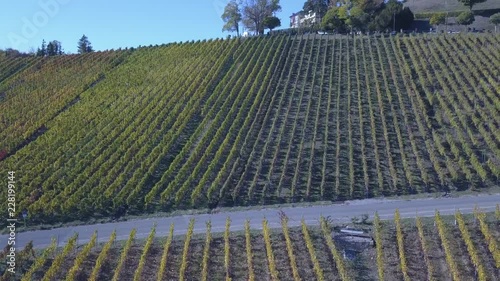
[(295, 20), (301, 19)]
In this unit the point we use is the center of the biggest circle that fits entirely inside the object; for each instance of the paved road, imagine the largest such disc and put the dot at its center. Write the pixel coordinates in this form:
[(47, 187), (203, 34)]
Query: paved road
[(339, 212)]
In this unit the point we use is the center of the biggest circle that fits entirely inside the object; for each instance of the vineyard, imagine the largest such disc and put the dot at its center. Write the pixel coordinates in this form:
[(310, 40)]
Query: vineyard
[(460, 247), (261, 120)]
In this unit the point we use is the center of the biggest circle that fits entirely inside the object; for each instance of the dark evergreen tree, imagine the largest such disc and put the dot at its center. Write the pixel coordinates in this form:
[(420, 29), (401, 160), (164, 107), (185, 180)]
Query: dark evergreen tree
[(84, 45), (54, 48), (42, 51), (393, 16), (404, 19), (316, 6)]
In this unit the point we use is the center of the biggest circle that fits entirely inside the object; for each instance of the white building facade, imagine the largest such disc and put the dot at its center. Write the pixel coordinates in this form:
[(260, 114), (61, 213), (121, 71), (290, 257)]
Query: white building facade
[(300, 19)]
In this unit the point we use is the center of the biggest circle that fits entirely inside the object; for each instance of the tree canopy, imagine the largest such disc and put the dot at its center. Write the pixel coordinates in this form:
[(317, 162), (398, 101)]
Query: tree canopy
[(52, 49), (42, 51), (368, 14), (272, 22), (404, 19), (318, 6), (333, 20), (12, 53), (471, 3), (357, 18), (255, 11), (386, 19), (465, 18), (84, 45), (437, 19), (232, 17), (369, 6), (495, 19)]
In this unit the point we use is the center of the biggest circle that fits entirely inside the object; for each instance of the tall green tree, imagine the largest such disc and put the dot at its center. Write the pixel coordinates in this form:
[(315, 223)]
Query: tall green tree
[(54, 48), (320, 7), (368, 6), (51, 49), (84, 45), (232, 17), (404, 18), (42, 51), (333, 20), (255, 11), (357, 18), (393, 16), (368, 14), (471, 3), (495, 19)]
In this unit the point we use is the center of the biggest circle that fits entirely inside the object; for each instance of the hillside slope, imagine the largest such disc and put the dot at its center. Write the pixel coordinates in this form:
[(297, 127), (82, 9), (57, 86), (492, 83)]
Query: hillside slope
[(428, 6), (262, 121)]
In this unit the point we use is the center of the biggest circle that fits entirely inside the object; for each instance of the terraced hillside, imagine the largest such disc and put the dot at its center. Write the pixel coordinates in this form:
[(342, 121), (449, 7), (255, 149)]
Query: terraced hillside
[(464, 247), (34, 96), (258, 121)]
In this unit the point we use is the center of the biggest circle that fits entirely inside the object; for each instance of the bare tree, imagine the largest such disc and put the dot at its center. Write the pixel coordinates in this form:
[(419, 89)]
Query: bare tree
[(255, 11)]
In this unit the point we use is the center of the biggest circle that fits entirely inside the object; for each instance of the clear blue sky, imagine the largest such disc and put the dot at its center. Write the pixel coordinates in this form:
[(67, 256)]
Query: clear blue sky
[(111, 24)]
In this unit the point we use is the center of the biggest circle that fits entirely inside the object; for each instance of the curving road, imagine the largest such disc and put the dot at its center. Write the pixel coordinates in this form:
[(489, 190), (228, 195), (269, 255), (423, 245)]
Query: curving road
[(338, 212)]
